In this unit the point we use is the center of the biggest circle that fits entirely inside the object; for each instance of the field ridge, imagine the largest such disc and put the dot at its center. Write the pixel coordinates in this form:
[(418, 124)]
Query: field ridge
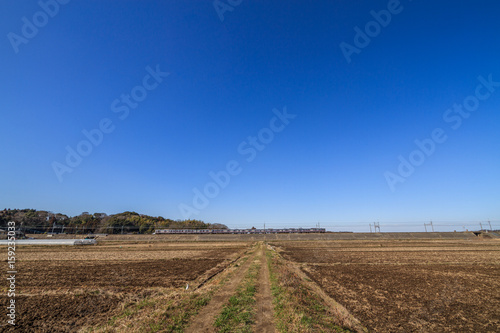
[(202, 322)]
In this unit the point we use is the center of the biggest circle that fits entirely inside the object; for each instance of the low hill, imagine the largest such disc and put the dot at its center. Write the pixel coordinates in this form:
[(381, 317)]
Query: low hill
[(41, 221)]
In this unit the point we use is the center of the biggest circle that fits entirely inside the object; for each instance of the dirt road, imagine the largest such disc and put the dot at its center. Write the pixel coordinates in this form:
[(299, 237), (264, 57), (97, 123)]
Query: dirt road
[(203, 322), (264, 304)]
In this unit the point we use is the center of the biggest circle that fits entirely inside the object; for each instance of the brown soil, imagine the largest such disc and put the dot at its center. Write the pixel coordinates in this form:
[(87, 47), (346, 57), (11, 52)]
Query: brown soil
[(123, 252), (75, 287), (416, 289), (122, 276), (60, 313)]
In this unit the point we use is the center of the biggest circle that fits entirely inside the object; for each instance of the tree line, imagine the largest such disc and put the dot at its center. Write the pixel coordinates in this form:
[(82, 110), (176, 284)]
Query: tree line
[(41, 221)]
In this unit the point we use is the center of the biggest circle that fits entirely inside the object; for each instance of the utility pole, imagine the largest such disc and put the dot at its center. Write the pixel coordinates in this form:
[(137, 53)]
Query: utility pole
[(490, 225), (376, 225), (370, 227)]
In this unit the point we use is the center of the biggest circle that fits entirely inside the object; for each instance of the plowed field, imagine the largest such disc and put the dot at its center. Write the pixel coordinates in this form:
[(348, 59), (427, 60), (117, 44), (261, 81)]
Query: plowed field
[(435, 286), (63, 288)]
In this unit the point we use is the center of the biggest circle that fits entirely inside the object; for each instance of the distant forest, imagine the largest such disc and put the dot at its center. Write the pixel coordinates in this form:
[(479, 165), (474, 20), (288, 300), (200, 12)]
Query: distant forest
[(33, 221)]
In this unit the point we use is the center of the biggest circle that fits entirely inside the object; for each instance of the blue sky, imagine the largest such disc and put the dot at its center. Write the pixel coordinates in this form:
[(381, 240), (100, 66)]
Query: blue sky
[(68, 68)]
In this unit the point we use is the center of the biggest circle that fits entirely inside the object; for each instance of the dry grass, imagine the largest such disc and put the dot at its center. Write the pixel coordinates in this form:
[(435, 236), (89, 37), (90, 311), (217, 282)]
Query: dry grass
[(238, 314), (126, 287), (127, 251), (297, 307), (398, 286), (166, 310)]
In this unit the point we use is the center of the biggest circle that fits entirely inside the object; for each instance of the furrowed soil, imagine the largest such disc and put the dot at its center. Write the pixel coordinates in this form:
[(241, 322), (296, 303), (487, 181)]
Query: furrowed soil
[(408, 286), (65, 288), (389, 285)]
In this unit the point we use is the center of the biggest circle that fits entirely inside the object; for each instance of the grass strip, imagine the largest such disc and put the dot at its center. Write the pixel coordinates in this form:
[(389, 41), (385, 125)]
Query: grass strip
[(239, 314), (296, 307)]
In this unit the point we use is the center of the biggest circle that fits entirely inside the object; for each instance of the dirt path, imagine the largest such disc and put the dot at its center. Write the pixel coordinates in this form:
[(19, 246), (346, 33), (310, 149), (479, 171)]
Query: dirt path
[(203, 322), (264, 305)]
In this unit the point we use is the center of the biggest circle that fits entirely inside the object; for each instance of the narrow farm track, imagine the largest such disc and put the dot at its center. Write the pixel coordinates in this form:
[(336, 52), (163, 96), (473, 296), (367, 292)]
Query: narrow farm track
[(203, 322), (264, 304)]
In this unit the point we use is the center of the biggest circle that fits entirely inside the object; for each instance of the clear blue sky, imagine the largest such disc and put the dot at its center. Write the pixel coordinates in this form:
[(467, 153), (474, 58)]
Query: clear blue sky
[(329, 164)]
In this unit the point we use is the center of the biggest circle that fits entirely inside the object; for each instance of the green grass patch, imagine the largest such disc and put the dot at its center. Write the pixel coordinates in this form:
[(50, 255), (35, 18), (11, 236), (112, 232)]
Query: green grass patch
[(238, 314), (177, 316)]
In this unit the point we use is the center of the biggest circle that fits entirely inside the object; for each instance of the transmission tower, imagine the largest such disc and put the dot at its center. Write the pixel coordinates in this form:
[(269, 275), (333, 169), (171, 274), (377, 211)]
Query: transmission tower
[(481, 224), (376, 226), (429, 224)]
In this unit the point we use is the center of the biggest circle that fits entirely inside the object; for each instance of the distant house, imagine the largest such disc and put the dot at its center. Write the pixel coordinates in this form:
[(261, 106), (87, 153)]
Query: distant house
[(60, 217), (100, 215)]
